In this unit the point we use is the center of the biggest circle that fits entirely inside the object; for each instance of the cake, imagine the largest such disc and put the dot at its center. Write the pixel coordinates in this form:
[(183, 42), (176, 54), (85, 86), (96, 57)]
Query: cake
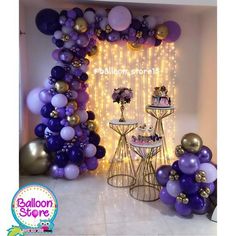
[(160, 97), (145, 136)]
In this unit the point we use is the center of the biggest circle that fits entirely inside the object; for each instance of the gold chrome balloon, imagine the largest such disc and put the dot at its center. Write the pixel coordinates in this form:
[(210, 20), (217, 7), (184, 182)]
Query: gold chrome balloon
[(65, 37), (191, 142), (73, 119), (74, 103), (61, 86), (182, 198), (34, 159), (54, 114), (91, 125), (81, 25), (93, 51), (179, 151), (161, 32), (134, 46), (200, 176)]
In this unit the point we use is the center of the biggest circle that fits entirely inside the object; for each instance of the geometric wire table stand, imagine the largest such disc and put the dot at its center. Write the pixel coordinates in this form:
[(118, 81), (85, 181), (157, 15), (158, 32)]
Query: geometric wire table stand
[(159, 113), (121, 172), (146, 187)]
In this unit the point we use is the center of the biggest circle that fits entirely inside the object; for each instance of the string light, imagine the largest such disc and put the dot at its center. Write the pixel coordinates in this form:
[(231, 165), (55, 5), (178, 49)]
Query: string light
[(141, 71)]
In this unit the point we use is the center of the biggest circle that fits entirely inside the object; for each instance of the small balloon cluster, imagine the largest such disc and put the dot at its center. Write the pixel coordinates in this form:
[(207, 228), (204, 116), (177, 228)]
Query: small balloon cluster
[(189, 181)]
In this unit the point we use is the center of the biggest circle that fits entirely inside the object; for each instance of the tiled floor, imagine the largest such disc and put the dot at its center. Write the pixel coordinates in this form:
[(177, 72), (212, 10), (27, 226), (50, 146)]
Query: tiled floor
[(89, 206)]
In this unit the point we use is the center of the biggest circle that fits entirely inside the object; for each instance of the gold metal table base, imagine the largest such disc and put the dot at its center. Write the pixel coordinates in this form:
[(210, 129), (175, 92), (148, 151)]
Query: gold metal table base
[(159, 114), (146, 187), (121, 172)]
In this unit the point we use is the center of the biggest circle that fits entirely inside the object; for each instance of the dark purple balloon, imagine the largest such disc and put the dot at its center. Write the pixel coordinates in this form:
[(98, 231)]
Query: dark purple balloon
[(188, 184), (54, 143), (39, 130), (136, 24), (204, 209), (183, 209), (59, 43), (113, 36), (189, 163), (91, 163), (83, 77), (162, 174), (94, 138), (166, 198), (54, 124), (56, 172), (174, 31), (196, 201), (47, 21), (83, 168), (157, 42), (58, 72), (175, 166), (66, 56), (46, 110), (76, 155), (78, 11), (205, 154), (61, 159), (91, 115), (101, 152)]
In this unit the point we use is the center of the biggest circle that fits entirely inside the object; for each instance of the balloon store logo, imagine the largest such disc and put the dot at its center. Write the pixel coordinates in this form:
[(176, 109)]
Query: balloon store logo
[(34, 207)]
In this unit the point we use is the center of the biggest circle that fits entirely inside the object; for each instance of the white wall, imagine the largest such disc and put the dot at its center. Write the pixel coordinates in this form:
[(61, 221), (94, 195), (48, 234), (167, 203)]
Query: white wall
[(190, 71)]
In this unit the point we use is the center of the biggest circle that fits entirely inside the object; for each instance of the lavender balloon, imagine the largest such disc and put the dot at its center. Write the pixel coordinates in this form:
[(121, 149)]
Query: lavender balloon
[(59, 100), (66, 56), (83, 40), (56, 172), (162, 174), (33, 101), (83, 115), (67, 133), (119, 18), (183, 209), (90, 150), (174, 31), (205, 154), (55, 54), (189, 163), (173, 188), (45, 96), (71, 171), (210, 170), (166, 197), (113, 36)]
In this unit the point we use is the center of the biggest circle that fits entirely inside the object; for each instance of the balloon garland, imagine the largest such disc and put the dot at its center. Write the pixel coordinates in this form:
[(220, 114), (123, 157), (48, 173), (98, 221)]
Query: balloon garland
[(68, 130), (189, 181)]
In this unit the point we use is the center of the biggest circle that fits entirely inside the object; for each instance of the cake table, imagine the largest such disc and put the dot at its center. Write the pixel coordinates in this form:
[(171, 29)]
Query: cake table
[(159, 113), (146, 187), (121, 172)]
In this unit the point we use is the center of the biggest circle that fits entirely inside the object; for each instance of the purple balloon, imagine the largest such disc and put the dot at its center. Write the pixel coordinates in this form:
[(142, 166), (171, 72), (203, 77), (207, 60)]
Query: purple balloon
[(55, 54), (173, 188), (45, 96), (189, 163), (205, 154), (166, 197), (83, 97), (162, 174), (113, 36), (211, 186), (174, 31), (175, 166), (204, 208), (91, 163), (119, 18), (83, 40), (71, 171), (83, 168), (56, 172), (150, 41), (188, 184), (33, 101), (196, 202), (183, 209), (66, 56)]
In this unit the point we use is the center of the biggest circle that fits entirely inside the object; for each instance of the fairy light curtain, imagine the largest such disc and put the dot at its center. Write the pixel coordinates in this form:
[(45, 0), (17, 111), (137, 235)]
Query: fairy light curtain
[(117, 65)]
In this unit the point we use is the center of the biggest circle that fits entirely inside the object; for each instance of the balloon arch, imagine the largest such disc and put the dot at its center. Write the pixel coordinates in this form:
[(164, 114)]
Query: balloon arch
[(68, 129)]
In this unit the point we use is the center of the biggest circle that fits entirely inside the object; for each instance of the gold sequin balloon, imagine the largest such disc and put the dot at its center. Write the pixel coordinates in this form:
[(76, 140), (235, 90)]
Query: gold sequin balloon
[(191, 142), (179, 151), (34, 159), (74, 103), (61, 86), (161, 32), (91, 125), (134, 46), (73, 119), (81, 25)]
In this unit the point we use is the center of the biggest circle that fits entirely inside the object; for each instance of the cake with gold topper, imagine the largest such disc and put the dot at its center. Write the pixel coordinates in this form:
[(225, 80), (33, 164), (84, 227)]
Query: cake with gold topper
[(160, 97), (145, 136)]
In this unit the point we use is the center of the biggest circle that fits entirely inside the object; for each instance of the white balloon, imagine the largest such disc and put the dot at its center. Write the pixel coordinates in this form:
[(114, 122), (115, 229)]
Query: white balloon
[(58, 34), (33, 101), (210, 171), (67, 133), (59, 100), (173, 188)]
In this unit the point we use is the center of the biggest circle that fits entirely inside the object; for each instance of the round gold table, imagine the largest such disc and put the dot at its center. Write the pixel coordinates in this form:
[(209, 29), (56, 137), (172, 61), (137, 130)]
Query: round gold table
[(146, 187), (121, 172), (159, 113)]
